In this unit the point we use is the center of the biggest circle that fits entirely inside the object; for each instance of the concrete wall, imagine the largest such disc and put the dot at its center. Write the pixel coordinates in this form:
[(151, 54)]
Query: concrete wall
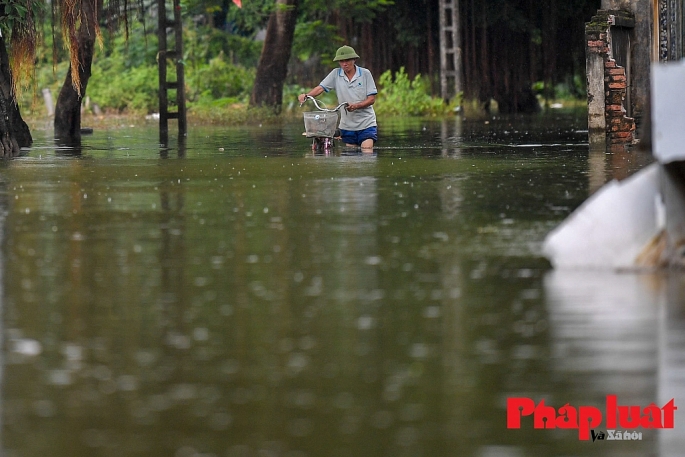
[(594, 63)]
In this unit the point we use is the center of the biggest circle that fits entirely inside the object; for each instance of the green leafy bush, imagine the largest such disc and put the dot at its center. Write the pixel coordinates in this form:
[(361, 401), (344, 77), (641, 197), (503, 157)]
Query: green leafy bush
[(220, 69), (202, 44), (315, 38), (219, 79), (401, 96), (115, 88)]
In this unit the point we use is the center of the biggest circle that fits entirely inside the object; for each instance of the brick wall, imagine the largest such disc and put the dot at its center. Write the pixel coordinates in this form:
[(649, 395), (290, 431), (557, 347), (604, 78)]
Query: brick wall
[(620, 129)]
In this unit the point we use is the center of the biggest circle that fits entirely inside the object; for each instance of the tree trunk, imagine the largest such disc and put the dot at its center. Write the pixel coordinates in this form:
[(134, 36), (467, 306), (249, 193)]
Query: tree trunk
[(367, 50), (273, 62), (14, 133), (470, 72), (431, 51), (485, 86), (549, 49), (68, 108)]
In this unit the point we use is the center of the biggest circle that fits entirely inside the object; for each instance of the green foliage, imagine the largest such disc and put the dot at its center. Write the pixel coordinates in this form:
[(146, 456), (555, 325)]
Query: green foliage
[(572, 88), (224, 15), (357, 10), (315, 38), (140, 47), (291, 104), (220, 66), (402, 96), (220, 79), (16, 13), (125, 74), (290, 93), (134, 90), (45, 77), (205, 43), (251, 17)]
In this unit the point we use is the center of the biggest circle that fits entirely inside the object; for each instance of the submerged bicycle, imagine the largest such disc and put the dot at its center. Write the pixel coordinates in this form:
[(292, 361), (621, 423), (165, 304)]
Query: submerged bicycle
[(321, 125)]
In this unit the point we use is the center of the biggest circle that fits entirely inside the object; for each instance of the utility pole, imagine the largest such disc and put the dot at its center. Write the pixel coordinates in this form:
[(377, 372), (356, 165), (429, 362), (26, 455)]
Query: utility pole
[(450, 49), (170, 56)]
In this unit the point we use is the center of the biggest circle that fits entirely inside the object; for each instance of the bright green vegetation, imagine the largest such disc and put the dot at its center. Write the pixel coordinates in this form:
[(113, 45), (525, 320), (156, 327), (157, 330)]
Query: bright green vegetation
[(219, 70), (221, 55), (403, 96)]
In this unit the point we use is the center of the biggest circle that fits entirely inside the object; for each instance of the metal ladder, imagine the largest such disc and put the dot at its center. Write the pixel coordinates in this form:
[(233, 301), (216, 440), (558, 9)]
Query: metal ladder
[(170, 56), (450, 49)]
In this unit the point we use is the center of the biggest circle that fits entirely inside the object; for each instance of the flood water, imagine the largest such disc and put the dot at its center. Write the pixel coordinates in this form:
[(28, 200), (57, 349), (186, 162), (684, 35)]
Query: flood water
[(237, 295)]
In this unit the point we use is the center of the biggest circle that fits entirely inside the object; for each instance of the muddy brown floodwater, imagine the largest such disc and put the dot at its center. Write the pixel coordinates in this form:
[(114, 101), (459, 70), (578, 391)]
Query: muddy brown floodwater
[(239, 296)]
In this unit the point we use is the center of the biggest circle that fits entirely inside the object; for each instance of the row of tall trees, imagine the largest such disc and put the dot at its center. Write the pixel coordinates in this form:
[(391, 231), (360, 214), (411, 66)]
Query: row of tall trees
[(507, 46)]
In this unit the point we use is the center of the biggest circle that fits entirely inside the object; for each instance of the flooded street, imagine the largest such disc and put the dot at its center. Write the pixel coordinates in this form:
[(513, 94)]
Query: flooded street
[(240, 296)]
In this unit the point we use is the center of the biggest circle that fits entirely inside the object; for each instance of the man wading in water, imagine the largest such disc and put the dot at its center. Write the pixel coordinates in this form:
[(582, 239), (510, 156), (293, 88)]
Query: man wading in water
[(354, 85)]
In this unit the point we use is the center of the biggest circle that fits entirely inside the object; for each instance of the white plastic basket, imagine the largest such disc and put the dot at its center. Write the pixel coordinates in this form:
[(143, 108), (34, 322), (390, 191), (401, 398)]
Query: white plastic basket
[(320, 123)]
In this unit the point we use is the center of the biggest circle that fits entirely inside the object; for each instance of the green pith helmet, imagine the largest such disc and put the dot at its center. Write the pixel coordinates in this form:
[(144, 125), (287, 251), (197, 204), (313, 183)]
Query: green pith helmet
[(344, 53)]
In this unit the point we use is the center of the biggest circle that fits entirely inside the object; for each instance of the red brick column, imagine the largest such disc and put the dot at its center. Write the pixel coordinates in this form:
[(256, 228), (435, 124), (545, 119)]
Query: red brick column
[(620, 128)]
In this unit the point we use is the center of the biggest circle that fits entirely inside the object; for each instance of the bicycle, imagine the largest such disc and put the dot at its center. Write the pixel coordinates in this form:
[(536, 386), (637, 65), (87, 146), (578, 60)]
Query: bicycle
[(321, 125)]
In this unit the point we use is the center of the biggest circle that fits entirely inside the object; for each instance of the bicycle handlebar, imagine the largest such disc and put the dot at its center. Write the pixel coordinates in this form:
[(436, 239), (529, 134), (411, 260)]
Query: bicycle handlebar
[(316, 103)]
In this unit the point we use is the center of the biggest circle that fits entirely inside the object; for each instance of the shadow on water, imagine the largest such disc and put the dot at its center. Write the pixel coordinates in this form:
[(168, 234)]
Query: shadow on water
[(238, 295)]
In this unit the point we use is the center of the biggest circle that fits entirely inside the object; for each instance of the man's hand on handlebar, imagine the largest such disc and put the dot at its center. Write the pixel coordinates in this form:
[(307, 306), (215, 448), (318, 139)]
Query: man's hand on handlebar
[(303, 98)]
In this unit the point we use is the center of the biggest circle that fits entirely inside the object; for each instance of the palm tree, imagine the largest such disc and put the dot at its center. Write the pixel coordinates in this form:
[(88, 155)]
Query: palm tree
[(80, 30), (81, 43), (17, 22)]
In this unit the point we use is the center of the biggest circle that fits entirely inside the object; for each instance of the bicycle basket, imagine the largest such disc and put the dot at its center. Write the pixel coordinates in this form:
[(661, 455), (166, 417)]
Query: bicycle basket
[(321, 124)]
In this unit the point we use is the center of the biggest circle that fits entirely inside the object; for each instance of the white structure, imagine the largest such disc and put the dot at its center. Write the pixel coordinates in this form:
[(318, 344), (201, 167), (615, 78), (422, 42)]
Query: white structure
[(640, 222)]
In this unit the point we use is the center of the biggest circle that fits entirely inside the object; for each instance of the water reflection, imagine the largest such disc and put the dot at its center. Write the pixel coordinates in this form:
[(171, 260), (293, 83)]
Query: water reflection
[(3, 213), (621, 334), (167, 148), (262, 300), (451, 135)]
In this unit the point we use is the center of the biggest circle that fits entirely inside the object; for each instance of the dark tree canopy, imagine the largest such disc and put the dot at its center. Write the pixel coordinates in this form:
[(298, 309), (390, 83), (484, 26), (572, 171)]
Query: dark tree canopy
[(507, 45)]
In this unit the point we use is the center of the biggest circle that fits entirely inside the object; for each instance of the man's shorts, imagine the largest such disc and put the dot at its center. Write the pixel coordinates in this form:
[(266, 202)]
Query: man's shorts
[(356, 137)]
